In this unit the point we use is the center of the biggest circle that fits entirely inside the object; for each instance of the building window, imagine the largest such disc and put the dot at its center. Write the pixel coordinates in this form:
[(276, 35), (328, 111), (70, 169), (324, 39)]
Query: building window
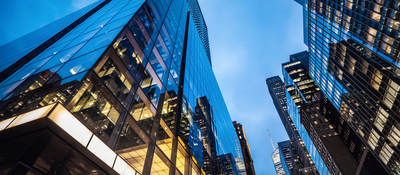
[(386, 153), (381, 118), (394, 135), (371, 35), (391, 94), (386, 43), (376, 79), (373, 139), (376, 16)]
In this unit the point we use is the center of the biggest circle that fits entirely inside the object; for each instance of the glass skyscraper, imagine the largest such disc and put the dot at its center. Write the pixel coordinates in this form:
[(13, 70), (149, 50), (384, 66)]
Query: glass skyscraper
[(114, 88), (303, 163), (354, 60)]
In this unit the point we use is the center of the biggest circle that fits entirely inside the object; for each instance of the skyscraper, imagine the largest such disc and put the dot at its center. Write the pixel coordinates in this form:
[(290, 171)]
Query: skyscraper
[(276, 159), (299, 90), (286, 156), (303, 164), (113, 89), (354, 59), (227, 165), (248, 161), (318, 120)]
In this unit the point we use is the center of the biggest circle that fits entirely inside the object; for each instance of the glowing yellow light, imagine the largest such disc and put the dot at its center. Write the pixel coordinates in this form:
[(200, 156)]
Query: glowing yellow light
[(71, 125), (122, 167), (6, 122), (102, 151), (30, 116)]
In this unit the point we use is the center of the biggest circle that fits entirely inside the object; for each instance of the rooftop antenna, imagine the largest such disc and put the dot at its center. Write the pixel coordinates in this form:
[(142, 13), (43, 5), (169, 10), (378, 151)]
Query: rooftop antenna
[(270, 139)]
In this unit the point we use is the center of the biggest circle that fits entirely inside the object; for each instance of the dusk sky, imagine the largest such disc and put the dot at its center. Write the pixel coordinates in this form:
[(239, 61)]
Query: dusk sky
[(248, 39)]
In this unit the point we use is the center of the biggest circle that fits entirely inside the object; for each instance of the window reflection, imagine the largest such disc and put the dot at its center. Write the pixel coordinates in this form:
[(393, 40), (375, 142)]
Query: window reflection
[(131, 56), (151, 85)]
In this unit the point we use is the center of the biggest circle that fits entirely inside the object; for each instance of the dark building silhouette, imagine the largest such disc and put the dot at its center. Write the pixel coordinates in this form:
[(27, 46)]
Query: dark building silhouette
[(286, 156), (248, 161)]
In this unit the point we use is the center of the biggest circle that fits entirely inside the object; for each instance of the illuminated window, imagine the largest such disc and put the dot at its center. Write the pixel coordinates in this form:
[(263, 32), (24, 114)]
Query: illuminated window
[(381, 118), (159, 166), (375, 16), (386, 153), (131, 147), (116, 81), (371, 35), (373, 139), (386, 43), (391, 93), (394, 135), (94, 109), (376, 79)]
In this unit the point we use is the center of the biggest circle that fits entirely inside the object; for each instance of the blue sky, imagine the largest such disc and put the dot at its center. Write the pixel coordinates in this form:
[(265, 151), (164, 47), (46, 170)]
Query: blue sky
[(248, 39)]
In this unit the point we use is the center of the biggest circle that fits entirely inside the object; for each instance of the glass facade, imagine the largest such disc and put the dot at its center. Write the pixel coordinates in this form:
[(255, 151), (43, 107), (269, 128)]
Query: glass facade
[(354, 59), (133, 73), (299, 90)]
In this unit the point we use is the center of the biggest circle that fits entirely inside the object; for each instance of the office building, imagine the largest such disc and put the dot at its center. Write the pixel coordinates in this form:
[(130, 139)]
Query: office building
[(303, 164), (276, 159), (248, 161), (299, 91), (318, 122), (113, 89), (227, 165), (354, 59), (286, 156)]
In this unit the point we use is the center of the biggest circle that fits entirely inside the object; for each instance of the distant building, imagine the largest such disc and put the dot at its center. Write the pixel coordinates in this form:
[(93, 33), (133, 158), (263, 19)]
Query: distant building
[(248, 161), (303, 163), (227, 165), (276, 159), (286, 156)]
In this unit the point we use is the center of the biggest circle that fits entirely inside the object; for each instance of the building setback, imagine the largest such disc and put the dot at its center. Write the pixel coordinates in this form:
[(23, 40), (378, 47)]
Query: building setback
[(248, 161), (114, 88), (354, 59)]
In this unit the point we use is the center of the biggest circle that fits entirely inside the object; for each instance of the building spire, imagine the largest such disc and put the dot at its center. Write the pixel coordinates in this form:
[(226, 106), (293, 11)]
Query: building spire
[(270, 139)]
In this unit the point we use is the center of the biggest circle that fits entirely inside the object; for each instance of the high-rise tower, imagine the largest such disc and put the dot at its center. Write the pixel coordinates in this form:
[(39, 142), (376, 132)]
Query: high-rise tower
[(113, 89), (354, 59), (303, 164), (248, 161)]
